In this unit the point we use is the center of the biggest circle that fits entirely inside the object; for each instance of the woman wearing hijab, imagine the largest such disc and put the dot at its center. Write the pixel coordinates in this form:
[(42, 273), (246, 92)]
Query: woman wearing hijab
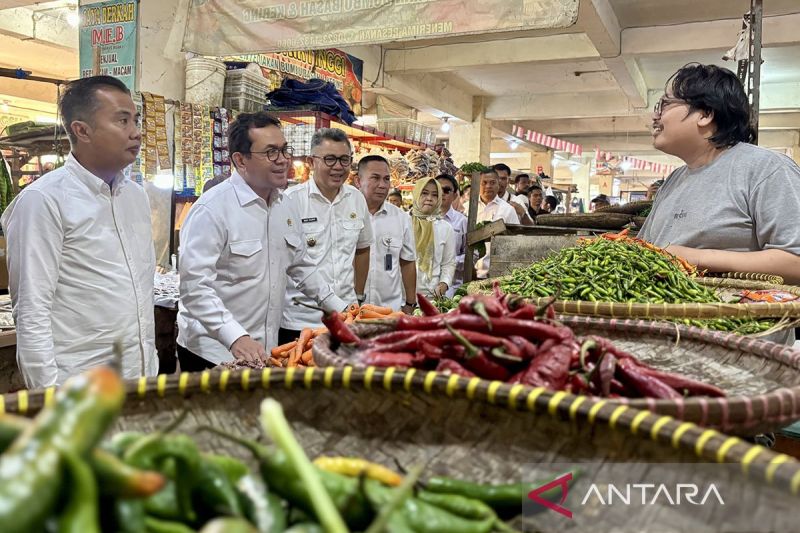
[(436, 243)]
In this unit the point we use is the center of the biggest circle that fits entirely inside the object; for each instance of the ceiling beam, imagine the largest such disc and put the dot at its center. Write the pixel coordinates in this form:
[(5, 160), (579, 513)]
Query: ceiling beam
[(599, 21), (558, 105), (453, 57), (587, 126), (8, 4), (779, 121), (44, 92), (698, 36), (29, 25), (426, 92)]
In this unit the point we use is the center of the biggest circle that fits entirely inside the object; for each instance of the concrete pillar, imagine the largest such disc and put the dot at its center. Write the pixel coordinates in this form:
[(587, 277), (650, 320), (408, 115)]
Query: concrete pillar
[(472, 142)]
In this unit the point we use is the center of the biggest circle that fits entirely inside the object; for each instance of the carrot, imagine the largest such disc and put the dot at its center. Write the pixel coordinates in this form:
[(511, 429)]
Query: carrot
[(319, 331), (353, 309), (350, 319), (305, 336), (306, 357), (377, 309), (275, 362), (278, 350), (396, 314), (365, 313)]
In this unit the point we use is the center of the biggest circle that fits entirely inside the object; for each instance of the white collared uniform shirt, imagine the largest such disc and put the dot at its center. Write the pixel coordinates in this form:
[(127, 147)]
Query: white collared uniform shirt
[(495, 210), (444, 259), (236, 254), (393, 241), (81, 265), (332, 232), (459, 224)]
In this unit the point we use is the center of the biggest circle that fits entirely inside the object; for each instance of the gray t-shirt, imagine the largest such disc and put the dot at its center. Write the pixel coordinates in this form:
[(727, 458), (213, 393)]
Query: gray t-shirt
[(748, 199)]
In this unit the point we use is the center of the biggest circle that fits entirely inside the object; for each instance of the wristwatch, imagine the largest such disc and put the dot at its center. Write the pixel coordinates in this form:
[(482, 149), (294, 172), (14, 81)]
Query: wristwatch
[(361, 298), (412, 305)]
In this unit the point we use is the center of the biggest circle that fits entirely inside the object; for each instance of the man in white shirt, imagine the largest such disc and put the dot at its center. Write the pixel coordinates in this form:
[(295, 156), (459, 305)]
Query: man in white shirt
[(392, 280), (80, 250), (239, 243), (505, 192), (336, 227), (490, 208), (458, 221)]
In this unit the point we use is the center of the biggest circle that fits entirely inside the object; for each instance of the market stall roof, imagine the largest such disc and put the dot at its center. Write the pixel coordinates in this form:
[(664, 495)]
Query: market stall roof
[(38, 140)]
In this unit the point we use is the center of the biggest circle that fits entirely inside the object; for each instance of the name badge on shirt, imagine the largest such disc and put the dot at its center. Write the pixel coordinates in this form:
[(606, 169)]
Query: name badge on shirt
[(387, 262), (307, 220)]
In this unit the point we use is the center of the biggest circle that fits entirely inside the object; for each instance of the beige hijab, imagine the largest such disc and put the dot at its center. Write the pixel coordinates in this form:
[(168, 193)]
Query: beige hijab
[(423, 225)]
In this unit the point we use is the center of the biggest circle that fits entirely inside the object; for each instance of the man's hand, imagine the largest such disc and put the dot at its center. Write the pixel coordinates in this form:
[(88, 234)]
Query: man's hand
[(408, 309), (694, 256), (247, 350), (521, 212), (440, 289)]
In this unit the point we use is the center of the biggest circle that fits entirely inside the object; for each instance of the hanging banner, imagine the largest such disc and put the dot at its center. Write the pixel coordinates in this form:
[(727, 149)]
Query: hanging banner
[(108, 37), (341, 69), (224, 27), (609, 163), (546, 140)]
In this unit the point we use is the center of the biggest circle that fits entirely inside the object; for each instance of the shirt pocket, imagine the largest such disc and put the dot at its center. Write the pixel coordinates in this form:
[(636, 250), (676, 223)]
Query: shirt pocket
[(246, 259), (351, 231), (313, 237)]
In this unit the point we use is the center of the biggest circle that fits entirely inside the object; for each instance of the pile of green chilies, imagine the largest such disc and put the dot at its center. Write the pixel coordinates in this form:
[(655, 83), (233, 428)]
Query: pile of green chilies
[(619, 271)]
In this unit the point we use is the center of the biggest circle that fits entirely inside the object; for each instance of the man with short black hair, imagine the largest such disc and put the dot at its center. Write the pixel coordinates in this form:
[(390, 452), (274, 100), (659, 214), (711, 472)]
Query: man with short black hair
[(730, 207), (490, 208), (80, 250), (600, 202), (508, 194), (239, 244), (392, 280), (336, 227), (458, 221)]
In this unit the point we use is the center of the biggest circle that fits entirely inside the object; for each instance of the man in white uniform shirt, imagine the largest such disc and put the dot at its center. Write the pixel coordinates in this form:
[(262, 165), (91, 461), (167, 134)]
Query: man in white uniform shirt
[(490, 208), (458, 221), (80, 251), (239, 244), (392, 280), (336, 227)]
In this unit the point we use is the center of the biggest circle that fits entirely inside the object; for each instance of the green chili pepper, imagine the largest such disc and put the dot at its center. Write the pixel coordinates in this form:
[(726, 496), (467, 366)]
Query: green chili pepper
[(264, 509), (228, 525), (155, 525), (458, 505), (214, 492), (307, 527), (81, 514), (426, 518), (31, 468), (129, 516)]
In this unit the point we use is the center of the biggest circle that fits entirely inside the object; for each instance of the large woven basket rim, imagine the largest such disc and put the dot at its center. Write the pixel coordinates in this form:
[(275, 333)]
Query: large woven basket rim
[(709, 445), (742, 414), (683, 310)]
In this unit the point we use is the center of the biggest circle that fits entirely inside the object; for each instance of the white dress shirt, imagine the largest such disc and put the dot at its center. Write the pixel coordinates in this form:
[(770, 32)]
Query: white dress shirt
[(393, 237), (81, 265), (444, 259), (495, 210), (235, 256), (459, 224), (332, 231)]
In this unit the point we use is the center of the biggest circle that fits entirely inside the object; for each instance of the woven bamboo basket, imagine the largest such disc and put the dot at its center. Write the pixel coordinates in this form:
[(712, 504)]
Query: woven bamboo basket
[(725, 287), (464, 428), (607, 221), (631, 208), (760, 377)]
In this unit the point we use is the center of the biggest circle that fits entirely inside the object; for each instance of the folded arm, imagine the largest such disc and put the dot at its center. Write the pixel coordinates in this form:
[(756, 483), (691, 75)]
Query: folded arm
[(772, 261)]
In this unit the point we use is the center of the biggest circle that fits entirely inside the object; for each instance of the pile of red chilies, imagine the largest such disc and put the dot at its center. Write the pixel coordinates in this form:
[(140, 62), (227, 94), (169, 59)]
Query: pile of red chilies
[(506, 338)]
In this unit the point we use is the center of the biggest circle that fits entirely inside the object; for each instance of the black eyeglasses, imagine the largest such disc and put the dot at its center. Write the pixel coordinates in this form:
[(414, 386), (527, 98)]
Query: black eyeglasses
[(665, 101), (331, 160), (272, 153)]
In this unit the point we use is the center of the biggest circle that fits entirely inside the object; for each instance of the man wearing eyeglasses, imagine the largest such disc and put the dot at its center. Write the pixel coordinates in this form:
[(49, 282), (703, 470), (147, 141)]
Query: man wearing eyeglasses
[(459, 223), (732, 206), (336, 228), (239, 243)]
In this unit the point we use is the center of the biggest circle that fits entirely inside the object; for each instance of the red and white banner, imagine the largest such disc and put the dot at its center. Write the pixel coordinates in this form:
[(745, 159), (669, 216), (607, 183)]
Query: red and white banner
[(633, 162), (546, 140)]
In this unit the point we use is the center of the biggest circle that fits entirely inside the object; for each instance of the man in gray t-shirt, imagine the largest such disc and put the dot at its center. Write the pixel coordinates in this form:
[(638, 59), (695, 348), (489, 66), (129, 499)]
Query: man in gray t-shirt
[(733, 207)]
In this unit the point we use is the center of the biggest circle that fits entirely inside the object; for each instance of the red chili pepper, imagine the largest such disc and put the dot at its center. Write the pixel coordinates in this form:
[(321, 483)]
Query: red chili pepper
[(427, 308), (338, 329), (482, 305), (528, 349), (647, 386), (448, 365), (524, 312), (578, 384), (605, 373), (384, 359), (549, 369), (477, 361), (682, 383)]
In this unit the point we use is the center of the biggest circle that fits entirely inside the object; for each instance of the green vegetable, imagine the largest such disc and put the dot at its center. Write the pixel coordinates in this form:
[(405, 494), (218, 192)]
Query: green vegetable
[(619, 271), (129, 516), (264, 509), (275, 425), (155, 525), (228, 525), (469, 168), (82, 514)]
